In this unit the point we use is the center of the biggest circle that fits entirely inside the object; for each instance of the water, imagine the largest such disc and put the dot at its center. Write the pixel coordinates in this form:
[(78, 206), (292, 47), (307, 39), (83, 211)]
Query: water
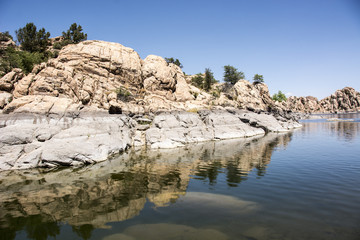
[(300, 185)]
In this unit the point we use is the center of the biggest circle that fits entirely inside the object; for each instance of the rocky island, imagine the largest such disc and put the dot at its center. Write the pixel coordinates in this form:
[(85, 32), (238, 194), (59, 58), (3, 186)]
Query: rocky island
[(97, 99)]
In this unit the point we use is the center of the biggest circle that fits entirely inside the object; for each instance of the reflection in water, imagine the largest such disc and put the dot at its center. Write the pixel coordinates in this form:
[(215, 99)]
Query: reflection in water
[(37, 203), (347, 131)]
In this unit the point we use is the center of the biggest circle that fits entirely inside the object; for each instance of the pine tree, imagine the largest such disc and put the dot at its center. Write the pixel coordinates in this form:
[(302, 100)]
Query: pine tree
[(231, 74), (209, 79), (74, 34), (32, 40)]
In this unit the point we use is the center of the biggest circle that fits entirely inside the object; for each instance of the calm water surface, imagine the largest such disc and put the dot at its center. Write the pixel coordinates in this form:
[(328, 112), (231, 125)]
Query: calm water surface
[(300, 185)]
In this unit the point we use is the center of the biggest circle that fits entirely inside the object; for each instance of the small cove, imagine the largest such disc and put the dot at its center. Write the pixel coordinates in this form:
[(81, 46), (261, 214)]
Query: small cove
[(298, 185)]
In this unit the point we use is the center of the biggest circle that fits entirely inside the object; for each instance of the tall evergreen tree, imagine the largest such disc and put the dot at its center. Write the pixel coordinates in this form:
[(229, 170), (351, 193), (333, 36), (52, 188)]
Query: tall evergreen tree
[(232, 75), (32, 40), (74, 34), (208, 80)]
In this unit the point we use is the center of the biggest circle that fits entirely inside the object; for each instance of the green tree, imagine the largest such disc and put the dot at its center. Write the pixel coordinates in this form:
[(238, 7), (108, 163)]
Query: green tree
[(174, 61), (20, 59), (232, 75), (198, 80), (5, 36), (74, 34), (258, 78), (32, 40), (209, 79), (279, 97)]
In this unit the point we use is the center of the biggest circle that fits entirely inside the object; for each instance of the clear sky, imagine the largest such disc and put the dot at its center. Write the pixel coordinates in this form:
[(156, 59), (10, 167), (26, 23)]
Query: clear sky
[(302, 47)]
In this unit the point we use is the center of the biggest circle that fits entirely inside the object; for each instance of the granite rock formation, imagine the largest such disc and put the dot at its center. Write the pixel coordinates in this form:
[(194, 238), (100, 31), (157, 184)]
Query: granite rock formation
[(51, 140), (57, 115), (344, 100), (104, 75)]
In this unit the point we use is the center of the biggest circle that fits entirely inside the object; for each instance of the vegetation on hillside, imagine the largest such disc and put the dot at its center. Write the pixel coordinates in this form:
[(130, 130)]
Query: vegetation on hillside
[(258, 78), (174, 61), (32, 40), (34, 47), (204, 81), (279, 97)]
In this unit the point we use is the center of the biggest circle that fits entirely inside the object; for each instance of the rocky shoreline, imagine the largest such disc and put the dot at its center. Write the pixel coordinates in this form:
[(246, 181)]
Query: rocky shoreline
[(81, 138)]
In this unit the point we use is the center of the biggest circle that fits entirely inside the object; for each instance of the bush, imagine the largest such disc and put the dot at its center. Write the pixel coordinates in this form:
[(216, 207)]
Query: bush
[(5, 36), (174, 61), (279, 97), (198, 80), (123, 94), (21, 59), (57, 45), (258, 78)]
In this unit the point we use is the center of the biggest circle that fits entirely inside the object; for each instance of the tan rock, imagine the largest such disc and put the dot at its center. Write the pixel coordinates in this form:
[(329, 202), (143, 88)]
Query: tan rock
[(7, 82), (250, 95), (5, 98), (42, 105)]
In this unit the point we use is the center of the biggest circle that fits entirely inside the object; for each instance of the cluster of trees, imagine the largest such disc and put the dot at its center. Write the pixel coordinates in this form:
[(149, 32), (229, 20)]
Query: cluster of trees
[(34, 46), (204, 81), (231, 76)]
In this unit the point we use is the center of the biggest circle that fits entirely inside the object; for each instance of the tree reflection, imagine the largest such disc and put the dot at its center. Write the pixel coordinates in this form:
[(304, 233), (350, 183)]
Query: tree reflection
[(117, 190)]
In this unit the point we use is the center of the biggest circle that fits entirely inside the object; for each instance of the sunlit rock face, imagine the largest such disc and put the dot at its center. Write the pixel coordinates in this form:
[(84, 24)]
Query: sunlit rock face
[(100, 74), (343, 100), (117, 190), (81, 138)]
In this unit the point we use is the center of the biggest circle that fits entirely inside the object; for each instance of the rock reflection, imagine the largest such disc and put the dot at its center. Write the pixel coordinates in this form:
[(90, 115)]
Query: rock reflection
[(36, 202), (347, 131)]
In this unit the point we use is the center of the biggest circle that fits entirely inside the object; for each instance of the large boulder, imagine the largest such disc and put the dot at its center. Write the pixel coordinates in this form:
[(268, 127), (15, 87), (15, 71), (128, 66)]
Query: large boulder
[(7, 81), (307, 104), (42, 105), (60, 141), (254, 96), (165, 79), (343, 100), (346, 99)]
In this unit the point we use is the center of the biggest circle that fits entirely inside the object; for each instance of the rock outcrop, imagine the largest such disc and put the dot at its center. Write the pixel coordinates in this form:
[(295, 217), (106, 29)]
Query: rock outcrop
[(57, 115), (102, 74), (344, 100), (108, 75), (69, 139)]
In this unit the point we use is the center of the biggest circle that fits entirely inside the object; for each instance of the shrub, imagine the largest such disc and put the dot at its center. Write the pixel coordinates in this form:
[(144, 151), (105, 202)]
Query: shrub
[(5, 36), (21, 59), (174, 61), (57, 45), (198, 80), (279, 97), (123, 94), (258, 78)]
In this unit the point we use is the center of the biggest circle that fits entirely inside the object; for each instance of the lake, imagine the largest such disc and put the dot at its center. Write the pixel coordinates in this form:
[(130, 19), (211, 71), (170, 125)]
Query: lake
[(304, 184)]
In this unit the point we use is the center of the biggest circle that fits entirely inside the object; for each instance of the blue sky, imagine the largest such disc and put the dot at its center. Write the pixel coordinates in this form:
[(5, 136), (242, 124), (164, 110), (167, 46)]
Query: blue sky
[(303, 47)]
